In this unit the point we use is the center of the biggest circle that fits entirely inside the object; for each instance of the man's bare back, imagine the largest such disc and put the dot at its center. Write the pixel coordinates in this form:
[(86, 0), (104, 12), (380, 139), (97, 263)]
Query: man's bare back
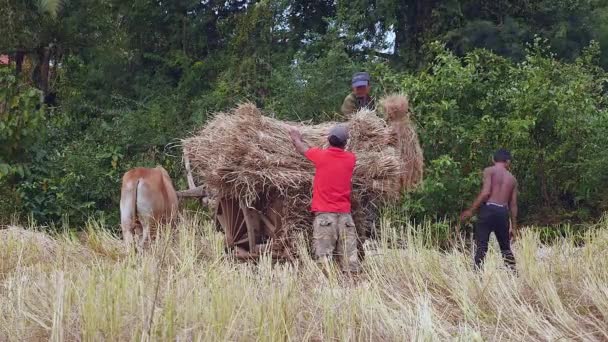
[(502, 185), (499, 188)]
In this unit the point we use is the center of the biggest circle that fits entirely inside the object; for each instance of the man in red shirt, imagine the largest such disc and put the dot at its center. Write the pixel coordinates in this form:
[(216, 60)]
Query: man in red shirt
[(334, 229)]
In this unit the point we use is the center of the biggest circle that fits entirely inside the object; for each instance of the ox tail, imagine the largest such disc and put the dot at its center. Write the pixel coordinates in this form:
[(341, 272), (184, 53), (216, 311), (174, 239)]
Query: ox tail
[(135, 214)]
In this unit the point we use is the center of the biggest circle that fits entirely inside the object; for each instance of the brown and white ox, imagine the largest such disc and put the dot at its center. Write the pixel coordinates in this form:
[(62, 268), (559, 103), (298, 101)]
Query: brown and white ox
[(147, 200)]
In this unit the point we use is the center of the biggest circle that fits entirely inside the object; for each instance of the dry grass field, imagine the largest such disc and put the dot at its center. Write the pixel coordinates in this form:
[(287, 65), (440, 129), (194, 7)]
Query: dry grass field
[(86, 288)]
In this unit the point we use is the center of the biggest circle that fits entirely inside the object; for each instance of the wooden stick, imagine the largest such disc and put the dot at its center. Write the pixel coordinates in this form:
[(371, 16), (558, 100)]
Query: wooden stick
[(226, 221), (245, 239), (198, 191), (242, 254), (191, 184), (270, 227), (252, 222)]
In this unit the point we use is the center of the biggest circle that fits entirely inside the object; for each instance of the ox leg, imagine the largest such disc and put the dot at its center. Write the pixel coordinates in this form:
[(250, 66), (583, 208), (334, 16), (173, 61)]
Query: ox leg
[(145, 237), (128, 226), (128, 212), (137, 235), (127, 235)]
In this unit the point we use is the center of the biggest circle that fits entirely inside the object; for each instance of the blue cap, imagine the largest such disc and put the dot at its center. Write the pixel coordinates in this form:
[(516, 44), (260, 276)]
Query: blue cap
[(360, 79), (340, 131)]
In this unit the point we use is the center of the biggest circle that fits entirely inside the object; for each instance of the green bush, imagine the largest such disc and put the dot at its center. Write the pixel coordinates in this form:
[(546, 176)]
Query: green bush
[(550, 114), (21, 115)]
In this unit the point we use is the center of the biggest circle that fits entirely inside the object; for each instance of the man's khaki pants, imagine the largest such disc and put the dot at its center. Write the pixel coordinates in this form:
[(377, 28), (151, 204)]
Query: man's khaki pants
[(335, 234)]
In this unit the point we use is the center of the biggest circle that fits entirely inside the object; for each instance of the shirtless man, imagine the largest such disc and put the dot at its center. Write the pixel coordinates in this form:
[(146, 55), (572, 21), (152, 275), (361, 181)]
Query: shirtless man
[(498, 198)]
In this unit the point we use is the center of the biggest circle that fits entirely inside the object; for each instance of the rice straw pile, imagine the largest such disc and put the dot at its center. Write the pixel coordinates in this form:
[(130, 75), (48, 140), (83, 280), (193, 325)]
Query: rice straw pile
[(45, 246), (245, 155), (396, 109)]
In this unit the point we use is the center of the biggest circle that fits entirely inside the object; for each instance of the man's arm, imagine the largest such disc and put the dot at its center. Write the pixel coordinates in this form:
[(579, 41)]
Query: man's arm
[(513, 209), (296, 139), (348, 107), (483, 196)]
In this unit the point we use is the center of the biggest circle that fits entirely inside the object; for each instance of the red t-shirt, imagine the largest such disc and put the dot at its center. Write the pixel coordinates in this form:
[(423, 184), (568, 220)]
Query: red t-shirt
[(332, 183)]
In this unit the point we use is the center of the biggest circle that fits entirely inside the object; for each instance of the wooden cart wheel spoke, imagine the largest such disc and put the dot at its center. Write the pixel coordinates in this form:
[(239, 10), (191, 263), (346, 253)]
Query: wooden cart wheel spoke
[(235, 213), (243, 240), (248, 228), (239, 225)]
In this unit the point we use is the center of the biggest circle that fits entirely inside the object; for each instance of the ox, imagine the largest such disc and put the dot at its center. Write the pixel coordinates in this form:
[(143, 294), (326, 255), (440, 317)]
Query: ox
[(147, 199)]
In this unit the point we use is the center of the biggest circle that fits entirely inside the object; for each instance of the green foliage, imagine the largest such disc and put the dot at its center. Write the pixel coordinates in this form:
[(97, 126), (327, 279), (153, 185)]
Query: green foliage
[(50, 7), (132, 78), (539, 109), (312, 88), (20, 122), (79, 177), (20, 117), (442, 193)]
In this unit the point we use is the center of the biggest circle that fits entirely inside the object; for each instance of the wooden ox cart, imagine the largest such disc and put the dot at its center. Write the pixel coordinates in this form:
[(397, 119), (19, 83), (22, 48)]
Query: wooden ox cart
[(249, 230)]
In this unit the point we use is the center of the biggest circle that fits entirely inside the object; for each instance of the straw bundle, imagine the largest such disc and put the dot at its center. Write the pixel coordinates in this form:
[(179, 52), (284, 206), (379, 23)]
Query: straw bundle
[(404, 136), (44, 246), (246, 155)]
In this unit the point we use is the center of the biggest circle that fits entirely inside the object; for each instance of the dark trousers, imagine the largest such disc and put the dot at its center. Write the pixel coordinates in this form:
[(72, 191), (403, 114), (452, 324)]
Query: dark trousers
[(495, 219)]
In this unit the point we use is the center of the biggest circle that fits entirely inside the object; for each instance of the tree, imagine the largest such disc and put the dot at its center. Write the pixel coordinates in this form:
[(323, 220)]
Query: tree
[(47, 30)]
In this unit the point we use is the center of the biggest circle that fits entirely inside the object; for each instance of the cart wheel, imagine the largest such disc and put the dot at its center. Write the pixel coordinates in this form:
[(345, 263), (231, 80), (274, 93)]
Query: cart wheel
[(230, 219)]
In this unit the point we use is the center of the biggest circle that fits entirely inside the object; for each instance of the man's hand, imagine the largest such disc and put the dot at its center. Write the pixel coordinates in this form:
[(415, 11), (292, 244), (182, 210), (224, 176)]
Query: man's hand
[(391, 139), (513, 233), (467, 214), (295, 134), (296, 138)]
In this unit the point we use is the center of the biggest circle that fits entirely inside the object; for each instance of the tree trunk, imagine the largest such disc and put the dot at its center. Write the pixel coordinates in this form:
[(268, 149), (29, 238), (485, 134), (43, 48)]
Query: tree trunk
[(413, 22), (543, 182), (19, 57), (54, 72), (44, 58), (184, 33)]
